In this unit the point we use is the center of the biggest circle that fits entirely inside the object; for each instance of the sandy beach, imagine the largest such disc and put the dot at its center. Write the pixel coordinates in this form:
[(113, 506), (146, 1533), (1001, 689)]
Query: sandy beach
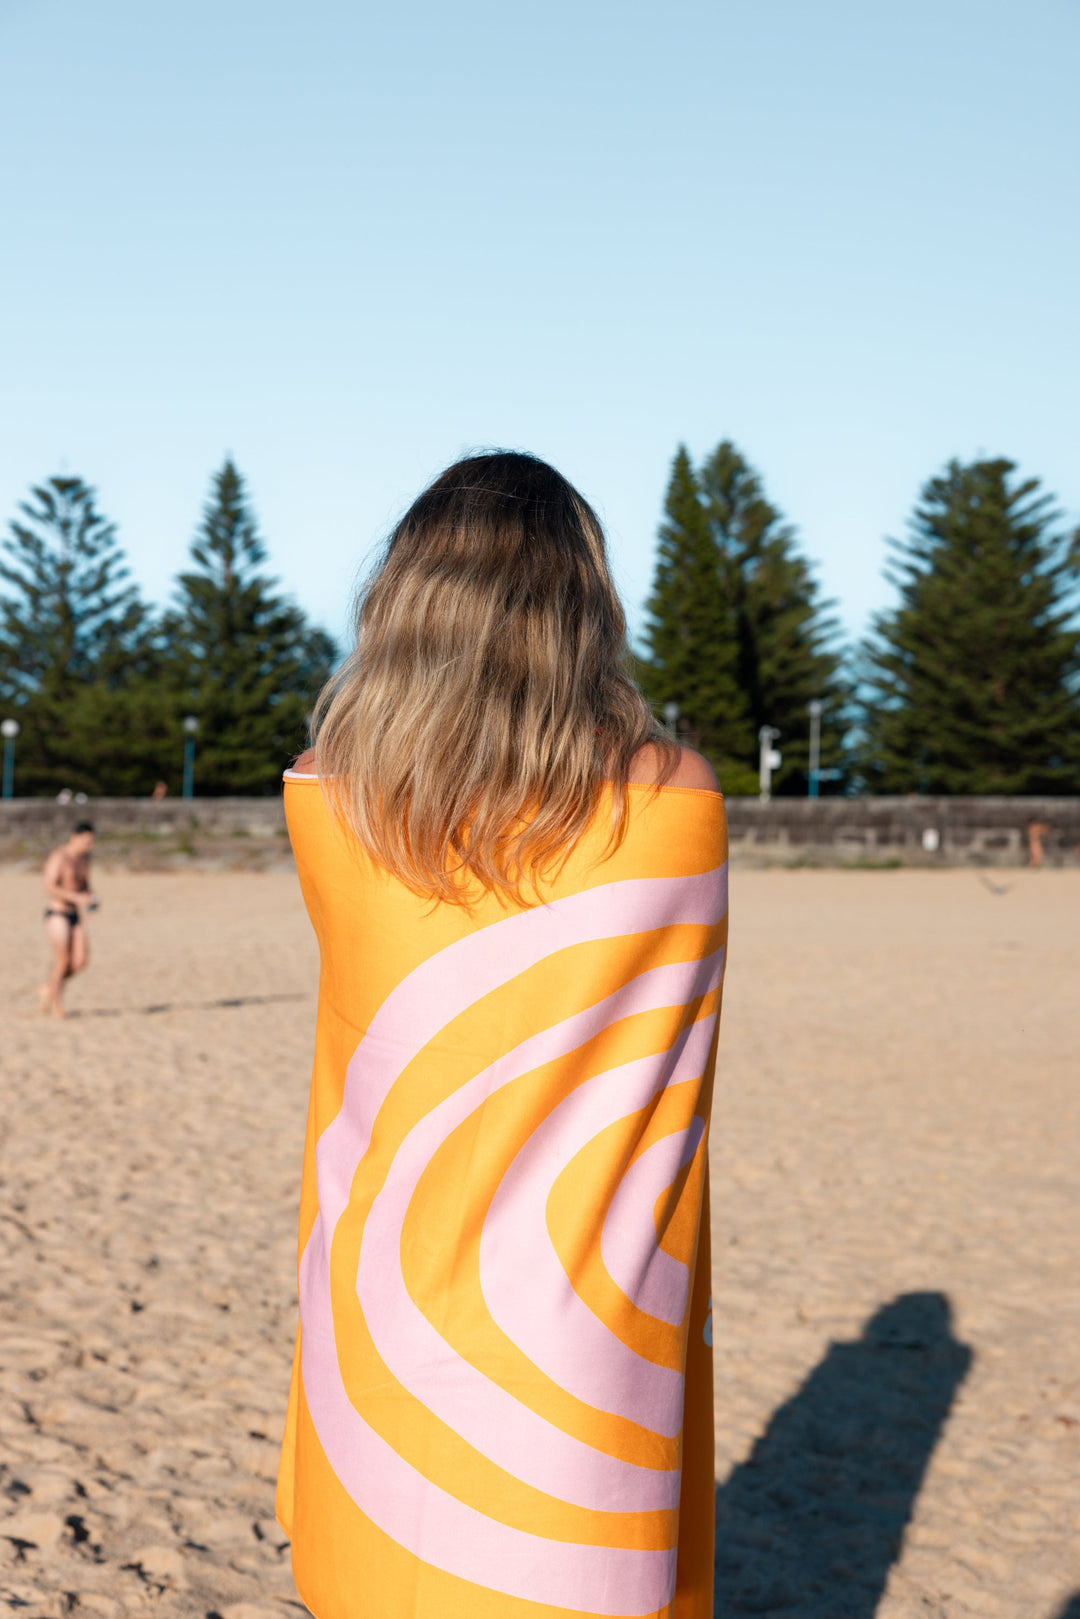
[(896, 1226)]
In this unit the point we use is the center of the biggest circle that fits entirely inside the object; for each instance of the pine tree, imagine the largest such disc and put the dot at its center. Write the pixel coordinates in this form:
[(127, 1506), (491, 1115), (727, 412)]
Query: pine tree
[(70, 612), (735, 608), (973, 677), (787, 654), (691, 633), (74, 641), (246, 663)]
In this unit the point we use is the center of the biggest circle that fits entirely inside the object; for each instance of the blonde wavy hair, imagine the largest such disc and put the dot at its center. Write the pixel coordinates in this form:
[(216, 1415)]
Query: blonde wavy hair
[(488, 703)]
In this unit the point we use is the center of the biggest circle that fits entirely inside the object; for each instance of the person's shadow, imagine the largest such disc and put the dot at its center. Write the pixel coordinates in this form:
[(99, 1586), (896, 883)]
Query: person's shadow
[(820, 1506)]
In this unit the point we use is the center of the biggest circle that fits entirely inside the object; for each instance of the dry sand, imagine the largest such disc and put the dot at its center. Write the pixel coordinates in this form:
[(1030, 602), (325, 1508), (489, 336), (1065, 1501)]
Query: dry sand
[(896, 1226)]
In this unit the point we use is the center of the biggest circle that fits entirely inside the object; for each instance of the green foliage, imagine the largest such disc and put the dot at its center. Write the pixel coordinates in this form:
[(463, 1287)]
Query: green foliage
[(77, 653), (100, 688), (787, 655), (691, 633), (108, 740), (242, 659), (972, 679), (736, 634), (70, 612)]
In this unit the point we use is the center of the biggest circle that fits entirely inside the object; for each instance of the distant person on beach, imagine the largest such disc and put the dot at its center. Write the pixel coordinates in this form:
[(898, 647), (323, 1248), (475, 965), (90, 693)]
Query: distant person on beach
[(1036, 831), (502, 1395), (67, 887)]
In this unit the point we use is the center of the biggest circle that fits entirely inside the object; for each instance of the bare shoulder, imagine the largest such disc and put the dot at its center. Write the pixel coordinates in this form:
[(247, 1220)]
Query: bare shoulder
[(691, 769), (305, 765)]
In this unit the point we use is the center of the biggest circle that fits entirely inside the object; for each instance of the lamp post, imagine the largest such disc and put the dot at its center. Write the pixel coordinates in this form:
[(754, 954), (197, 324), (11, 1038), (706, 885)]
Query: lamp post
[(671, 718), (768, 760), (815, 706), (191, 725), (9, 730)]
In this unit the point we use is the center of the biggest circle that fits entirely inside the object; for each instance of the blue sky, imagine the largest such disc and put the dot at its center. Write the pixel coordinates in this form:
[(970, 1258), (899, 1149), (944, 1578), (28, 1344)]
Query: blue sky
[(347, 243)]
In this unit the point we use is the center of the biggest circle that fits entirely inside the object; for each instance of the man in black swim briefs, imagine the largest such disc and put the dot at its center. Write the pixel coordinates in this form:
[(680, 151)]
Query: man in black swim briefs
[(67, 885)]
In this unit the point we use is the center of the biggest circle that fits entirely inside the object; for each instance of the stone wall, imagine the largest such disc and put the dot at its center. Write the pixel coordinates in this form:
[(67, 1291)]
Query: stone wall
[(141, 834), (905, 831), (787, 831)]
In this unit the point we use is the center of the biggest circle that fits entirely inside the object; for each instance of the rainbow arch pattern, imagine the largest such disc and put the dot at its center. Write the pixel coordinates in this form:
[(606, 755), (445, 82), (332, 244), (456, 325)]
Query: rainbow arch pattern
[(501, 1403)]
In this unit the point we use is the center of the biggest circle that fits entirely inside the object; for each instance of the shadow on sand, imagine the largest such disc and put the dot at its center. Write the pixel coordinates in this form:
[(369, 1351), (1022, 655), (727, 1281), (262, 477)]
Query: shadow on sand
[(812, 1522), (184, 1006)]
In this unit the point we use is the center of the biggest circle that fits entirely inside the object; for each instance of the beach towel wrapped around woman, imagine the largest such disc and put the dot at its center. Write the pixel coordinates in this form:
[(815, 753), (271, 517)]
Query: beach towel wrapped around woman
[(501, 1405)]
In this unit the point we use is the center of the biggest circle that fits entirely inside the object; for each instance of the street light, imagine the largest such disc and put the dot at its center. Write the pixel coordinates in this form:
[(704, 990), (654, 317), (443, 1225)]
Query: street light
[(9, 730), (816, 706), (191, 725), (671, 717), (768, 760)]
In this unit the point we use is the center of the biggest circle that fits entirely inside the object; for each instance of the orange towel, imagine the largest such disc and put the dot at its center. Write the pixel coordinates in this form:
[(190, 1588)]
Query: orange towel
[(501, 1404)]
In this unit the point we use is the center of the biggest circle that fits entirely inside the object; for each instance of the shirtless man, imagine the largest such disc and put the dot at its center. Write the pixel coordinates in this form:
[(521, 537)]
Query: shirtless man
[(67, 885)]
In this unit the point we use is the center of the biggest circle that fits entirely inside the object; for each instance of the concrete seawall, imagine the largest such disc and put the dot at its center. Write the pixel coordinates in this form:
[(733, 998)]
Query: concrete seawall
[(141, 834), (905, 831), (250, 832)]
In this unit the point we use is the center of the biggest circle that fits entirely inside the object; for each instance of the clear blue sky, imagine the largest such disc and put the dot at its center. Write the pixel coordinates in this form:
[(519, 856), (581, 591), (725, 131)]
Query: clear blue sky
[(347, 242)]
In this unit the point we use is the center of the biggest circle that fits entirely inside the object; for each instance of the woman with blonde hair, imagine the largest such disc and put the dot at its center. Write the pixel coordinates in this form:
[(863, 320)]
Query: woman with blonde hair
[(501, 1404)]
